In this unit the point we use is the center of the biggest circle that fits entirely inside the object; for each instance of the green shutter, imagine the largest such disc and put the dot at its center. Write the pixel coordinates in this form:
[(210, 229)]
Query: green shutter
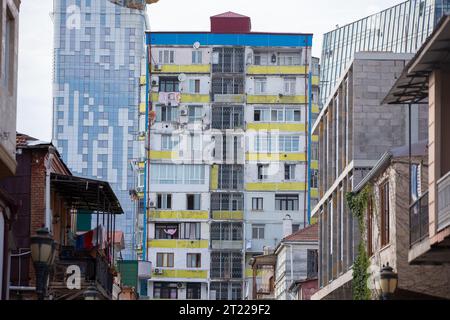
[(128, 270), (84, 219)]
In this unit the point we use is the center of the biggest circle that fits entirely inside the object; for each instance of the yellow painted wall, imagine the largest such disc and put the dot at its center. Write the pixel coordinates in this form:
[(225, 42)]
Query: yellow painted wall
[(182, 274), (256, 70), (173, 244), (163, 155), (290, 127), (214, 180), (179, 215), (263, 99), (228, 215), (275, 186), (176, 68)]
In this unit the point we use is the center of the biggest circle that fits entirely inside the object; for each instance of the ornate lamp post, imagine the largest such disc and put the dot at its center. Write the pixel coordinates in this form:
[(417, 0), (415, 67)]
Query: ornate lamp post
[(388, 282), (42, 253)]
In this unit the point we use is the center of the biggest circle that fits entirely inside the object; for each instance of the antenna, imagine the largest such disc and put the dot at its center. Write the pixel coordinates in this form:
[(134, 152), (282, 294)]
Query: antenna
[(196, 45), (182, 77)]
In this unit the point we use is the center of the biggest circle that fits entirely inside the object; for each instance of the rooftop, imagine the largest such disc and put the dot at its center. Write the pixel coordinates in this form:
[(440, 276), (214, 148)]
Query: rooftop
[(310, 233), (229, 14)]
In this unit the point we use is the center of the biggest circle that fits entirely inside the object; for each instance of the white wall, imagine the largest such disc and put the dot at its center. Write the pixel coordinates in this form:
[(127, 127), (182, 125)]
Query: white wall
[(183, 55), (275, 85)]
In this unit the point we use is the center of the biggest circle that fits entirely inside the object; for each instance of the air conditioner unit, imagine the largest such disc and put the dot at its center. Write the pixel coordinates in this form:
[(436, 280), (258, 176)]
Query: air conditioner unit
[(158, 271), (180, 285), (155, 81), (183, 112), (157, 67), (139, 189)]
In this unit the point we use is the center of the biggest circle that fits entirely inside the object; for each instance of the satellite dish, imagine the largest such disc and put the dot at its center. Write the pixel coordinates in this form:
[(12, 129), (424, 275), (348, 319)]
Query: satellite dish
[(196, 45), (182, 77)]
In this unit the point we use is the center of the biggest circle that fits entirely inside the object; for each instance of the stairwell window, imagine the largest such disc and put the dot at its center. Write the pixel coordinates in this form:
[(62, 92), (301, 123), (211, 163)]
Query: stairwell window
[(164, 260), (195, 114), (194, 85), (289, 171), (257, 204), (287, 202), (263, 171), (166, 114), (194, 260)]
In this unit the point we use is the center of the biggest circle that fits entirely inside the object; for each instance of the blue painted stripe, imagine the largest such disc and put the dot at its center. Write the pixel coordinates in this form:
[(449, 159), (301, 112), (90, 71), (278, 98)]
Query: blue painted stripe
[(256, 40)]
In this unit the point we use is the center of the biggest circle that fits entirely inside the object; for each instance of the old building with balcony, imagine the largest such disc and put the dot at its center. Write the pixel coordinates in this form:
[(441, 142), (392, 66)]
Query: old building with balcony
[(355, 129), (80, 215), (425, 81), (227, 151), (9, 23)]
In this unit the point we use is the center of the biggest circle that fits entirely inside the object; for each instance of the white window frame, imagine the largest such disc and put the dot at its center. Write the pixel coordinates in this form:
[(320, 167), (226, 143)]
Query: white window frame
[(197, 57), (166, 56), (260, 85)]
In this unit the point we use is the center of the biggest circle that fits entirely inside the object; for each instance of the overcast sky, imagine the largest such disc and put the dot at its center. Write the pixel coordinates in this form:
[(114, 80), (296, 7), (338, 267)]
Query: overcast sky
[(36, 34)]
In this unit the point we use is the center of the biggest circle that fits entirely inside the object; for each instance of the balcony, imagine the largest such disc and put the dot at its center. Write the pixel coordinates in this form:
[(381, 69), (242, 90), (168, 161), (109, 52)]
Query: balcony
[(418, 220), (227, 244), (276, 70), (174, 244), (443, 202)]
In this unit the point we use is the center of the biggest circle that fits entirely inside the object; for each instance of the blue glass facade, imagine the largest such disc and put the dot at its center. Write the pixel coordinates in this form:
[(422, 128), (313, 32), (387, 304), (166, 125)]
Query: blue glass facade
[(401, 29), (98, 46)]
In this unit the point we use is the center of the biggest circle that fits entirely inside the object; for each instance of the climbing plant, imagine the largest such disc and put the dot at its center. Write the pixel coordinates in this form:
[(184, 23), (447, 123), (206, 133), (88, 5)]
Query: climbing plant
[(357, 203)]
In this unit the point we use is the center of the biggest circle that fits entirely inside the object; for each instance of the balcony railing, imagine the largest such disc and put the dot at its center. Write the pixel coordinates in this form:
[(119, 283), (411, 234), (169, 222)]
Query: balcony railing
[(418, 220), (443, 200)]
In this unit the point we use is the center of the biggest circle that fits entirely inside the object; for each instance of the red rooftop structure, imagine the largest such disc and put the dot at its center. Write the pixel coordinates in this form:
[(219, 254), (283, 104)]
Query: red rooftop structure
[(230, 22)]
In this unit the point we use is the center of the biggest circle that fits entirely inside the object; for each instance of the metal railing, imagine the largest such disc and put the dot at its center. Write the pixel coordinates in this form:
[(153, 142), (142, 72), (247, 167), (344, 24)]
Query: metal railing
[(443, 202), (418, 220)]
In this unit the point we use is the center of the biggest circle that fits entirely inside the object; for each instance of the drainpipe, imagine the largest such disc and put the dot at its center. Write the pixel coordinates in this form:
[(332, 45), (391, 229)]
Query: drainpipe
[(309, 148), (48, 218)]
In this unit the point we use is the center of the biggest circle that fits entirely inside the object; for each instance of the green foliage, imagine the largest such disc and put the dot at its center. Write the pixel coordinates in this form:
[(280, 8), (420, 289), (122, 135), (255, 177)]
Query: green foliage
[(358, 205)]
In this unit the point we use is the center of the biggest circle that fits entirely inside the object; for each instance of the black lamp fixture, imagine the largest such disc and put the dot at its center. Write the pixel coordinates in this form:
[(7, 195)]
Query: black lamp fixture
[(91, 293), (388, 282), (43, 255)]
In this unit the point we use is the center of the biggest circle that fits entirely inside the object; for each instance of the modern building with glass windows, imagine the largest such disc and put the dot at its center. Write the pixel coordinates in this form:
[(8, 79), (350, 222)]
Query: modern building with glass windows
[(399, 29), (227, 153), (98, 46)]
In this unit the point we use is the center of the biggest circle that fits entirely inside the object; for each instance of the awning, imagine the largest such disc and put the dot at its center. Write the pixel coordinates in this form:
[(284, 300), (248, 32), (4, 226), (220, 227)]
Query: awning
[(412, 86), (86, 195), (265, 260)]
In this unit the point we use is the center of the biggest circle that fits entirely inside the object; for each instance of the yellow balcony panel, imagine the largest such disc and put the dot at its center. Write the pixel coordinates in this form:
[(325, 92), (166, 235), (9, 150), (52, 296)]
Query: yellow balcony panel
[(228, 215), (315, 164), (249, 273), (142, 108), (257, 70), (141, 165), (180, 68), (179, 215), (140, 195), (195, 98), (315, 81), (276, 186), (315, 108), (275, 156), (182, 274), (314, 220), (141, 138), (174, 244), (163, 155), (143, 80), (272, 99), (314, 193), (214, 181), (289, 127), (315, 138)]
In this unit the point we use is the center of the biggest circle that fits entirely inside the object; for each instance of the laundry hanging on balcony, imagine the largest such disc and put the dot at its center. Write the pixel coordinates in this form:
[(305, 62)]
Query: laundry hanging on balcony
[(170, 232), (90, 239)]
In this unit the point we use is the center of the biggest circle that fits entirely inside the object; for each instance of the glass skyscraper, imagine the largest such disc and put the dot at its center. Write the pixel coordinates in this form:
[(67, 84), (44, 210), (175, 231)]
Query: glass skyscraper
[(401, 29), (98, 46)]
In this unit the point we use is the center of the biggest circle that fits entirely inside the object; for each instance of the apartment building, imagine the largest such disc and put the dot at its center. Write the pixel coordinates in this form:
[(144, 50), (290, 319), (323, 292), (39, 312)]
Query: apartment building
[(355, 129), (9, 23), (227, 150)]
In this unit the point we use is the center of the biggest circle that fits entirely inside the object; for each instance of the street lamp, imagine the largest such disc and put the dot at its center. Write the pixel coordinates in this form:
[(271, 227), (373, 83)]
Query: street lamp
[(91, 293), (388, 282), (42, 249)]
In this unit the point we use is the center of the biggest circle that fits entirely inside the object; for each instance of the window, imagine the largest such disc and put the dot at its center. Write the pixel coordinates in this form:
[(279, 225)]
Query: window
[(289, 143), (289, 59), (164, 260), (384, 195), (166, 57), (190, 230), (257, 204), (168, 142), (314, 178), (312, 263), (227, 201), (177, 174), (194, 260), (196, 57), (263, 171), (194, 85), (226, 231), (166, 231), (166, 114), (286, 202), (169, 84), (260, 86), (277, 115), (195, 113), (165, 290), (258, 231), (261, 115), (140, 178), (415, 182), (261, 59), (193, 201), (194, 291), (289, 86), (292, 115), (8, 61), (227, 117), (164, 201), (289, 171)]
